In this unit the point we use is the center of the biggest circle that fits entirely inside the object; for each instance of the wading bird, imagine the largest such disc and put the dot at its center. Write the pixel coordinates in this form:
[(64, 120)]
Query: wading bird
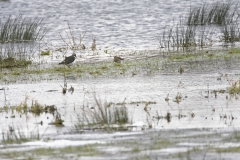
[(117, 59), (93, 47), (69, 60)]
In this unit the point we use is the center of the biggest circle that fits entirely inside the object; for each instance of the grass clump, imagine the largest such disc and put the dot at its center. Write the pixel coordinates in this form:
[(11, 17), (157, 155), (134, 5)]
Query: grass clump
[(234, 51), (16, 136), (35, 108), (234, 88), (196, 30), (21, 29), (102, 115), (119, 115), (45, 53), (58, 121), (216, 13), (182, 37), (230, 33), (16, 54), (16, 35), (11, 62)]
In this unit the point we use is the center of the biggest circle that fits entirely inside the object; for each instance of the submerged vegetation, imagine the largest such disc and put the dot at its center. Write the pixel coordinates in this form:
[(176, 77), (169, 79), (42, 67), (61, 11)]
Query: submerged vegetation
[(35, 108)]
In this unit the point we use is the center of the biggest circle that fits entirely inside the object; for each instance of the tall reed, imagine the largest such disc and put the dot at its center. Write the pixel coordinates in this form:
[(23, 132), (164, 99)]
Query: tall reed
[(14, 135), (21, 29), (216, 13), (102, 115), (182, 37), (18, 36), (230, 33)]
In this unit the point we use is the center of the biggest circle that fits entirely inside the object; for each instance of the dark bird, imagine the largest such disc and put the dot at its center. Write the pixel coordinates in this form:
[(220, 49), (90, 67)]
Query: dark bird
[(69, 60), (117, 59)]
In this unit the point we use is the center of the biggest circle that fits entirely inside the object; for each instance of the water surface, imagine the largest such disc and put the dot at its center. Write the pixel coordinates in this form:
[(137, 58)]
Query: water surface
[(115, 23)]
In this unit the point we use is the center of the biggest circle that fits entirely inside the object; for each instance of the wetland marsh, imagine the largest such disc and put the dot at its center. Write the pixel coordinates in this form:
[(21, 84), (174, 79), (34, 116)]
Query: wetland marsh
[(174, 96), (197, 100)]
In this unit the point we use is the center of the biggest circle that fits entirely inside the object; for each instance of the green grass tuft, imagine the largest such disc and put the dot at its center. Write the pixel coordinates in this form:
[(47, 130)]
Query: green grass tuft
[(234, 51), (45, 53), (12, 62), (16, 136)]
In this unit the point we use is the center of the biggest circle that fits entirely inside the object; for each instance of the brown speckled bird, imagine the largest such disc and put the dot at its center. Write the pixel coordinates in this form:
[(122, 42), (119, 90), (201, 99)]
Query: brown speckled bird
[(117, 59), (93, 47)]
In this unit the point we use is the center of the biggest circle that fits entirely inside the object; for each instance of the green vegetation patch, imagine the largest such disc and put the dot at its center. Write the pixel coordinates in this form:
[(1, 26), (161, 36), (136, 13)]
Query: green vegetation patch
[(56, 153), (14, 135), (234, 51), (141, 66), (233, 90), (35, 108), (102, 117), (186, 56), (12, 62), (234, 87), (230, 149), (45, 53), (161, 143)]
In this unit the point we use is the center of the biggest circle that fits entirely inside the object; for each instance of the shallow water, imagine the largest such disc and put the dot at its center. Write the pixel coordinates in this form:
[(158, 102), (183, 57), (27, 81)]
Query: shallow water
[(198, 108), (164, 144)]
